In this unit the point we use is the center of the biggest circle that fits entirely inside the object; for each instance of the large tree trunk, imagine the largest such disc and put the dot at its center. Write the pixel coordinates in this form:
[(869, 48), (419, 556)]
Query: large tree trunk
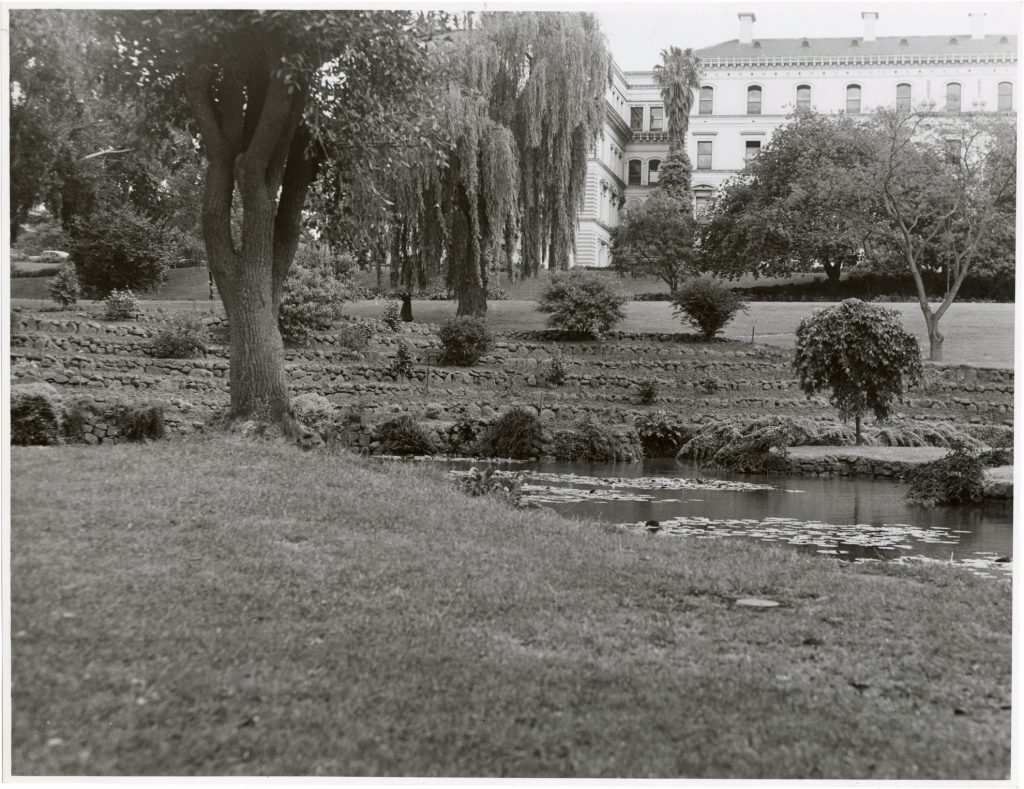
[(259, 385), (470, 281)]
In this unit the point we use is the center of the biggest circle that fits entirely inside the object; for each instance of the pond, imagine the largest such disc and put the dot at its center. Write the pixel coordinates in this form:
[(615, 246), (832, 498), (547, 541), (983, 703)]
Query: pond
[(846, 518)]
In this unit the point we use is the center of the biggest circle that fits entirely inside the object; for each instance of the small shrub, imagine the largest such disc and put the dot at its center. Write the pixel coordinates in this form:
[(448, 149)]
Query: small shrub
[(587, 441), (506, 487), (311, 302), (405, 358), (75, 418), (515, 434), (556, 372), (65, 288), (497, 293), (661, 435), (464, 435), (183, 338), (121, 305), (957, 478), (709, 384), (707, 304), (391, 316), (190, 251), (582, 303), (119, 248), (318, 413), (354, 335), (35, 415), (140, 422), (464, 340), (647, 392), (1000, 456), (405, 436)]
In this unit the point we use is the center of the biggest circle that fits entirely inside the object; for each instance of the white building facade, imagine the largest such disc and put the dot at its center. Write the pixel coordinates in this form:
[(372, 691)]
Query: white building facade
[(750, 86)]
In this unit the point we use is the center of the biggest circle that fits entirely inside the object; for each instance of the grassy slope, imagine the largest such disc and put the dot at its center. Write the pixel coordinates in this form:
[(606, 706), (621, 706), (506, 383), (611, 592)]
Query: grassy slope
[(217, 607)]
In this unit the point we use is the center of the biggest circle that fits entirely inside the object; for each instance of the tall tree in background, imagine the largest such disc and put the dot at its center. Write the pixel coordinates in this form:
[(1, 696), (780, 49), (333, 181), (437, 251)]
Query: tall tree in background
[(948, 194), (657, 237), (678, 75), (49, 90), (271, 94), (796, 204), (518, 102)]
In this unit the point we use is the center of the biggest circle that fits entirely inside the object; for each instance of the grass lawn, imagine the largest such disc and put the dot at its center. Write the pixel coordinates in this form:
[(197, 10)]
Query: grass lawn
[(222, 607)]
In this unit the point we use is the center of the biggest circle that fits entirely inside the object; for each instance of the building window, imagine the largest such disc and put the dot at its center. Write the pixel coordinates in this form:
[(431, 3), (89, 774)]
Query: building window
[(753, 101), (853, 98), (635, 168), (903, 97), (636, 118), (657, 118), (652, 171), (704, 155), (1005, 97), (953, 97), (707, 101), (752, 148), (803, 97)]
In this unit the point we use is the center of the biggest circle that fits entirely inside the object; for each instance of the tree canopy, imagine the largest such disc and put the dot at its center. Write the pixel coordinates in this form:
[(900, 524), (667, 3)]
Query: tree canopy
[(860, 353), (799, 202)]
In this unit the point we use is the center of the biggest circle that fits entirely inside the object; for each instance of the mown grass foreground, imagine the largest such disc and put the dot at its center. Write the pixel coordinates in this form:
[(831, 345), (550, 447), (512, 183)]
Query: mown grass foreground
[(224, 607)]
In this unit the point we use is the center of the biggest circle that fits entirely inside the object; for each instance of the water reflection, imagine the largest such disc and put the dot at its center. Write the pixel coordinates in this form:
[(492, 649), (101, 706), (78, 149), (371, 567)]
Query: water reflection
[(845, 517)]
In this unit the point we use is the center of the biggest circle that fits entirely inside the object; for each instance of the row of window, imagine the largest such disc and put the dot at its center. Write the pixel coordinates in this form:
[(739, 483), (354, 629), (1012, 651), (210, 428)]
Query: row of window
[(704, 157), (904, 100)]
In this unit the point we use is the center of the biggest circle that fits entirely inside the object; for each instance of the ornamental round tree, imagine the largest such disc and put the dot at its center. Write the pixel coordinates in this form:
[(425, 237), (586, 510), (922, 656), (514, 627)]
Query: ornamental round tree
[(862, 354)]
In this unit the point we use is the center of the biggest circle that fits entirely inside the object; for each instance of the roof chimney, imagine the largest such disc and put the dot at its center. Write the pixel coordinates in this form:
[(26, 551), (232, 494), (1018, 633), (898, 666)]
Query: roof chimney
[(869, 17), (747, 20), (977, 24)]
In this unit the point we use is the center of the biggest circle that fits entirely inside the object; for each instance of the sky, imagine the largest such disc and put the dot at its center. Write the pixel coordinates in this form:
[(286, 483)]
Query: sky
[(637, 32)]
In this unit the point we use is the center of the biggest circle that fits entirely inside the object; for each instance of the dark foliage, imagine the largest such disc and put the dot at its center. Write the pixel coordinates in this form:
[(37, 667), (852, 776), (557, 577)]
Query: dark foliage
[(35, 415), (587, 441), (140, 422), (464, 340), (514, 434), (582, 304), (405, 436), (184, 337), (957, 478), (707, 304), (647, 392)]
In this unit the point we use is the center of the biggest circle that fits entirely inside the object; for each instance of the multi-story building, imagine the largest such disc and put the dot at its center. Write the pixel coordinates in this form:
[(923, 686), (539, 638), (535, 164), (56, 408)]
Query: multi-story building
[(750, 86)]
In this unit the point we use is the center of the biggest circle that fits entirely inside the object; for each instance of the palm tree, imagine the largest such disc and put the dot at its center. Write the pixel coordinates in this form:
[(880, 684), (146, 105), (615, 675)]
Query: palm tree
[(679, 77)]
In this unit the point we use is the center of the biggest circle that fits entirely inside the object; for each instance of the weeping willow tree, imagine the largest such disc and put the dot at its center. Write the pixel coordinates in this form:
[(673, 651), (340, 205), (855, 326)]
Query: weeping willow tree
[(516, 104)]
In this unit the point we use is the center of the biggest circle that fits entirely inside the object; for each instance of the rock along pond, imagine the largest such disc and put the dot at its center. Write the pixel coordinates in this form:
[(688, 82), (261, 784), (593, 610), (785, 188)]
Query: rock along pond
[(844, 518)]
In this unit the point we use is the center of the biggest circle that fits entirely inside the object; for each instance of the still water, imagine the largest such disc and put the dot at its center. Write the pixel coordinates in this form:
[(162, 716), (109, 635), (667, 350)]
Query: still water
[(844, 518)]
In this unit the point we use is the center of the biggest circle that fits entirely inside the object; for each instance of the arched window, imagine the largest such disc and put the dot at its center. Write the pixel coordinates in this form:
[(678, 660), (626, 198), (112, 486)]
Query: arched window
[(805, 44), (904, 42), (701, 199), (903, 97), (1005, 97), (707, 100), (953, 40), (803, 97), (635, 169), (754, 100), (853, 99), (652, 171), (953, 97)]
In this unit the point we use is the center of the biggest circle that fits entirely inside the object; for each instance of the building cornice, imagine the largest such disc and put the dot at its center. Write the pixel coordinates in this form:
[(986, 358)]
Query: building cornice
[(784, 61), (649, 136), (616, 122)]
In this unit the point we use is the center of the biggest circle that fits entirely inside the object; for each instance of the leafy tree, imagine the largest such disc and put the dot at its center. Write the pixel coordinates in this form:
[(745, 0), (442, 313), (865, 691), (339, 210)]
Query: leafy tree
[(947, 190), (47, 83), (271, 95), (861, 353), (656, 238), (795, 204)]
